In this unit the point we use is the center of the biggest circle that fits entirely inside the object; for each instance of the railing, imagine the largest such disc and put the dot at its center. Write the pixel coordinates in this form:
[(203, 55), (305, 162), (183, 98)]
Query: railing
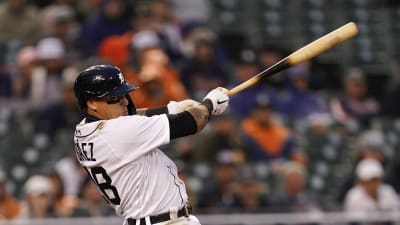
[(238, 219)]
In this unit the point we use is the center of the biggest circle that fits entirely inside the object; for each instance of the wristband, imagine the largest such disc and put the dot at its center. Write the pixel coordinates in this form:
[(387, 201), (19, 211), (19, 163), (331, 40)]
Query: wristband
[(208, 104), (157, 111)]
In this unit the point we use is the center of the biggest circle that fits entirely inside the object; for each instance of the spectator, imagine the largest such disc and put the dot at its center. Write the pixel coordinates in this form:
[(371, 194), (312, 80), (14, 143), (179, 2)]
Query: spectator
[(370, 145), (268, 56), (26, 62), (158, 81), (70, 172), (46, 77), (319, 122), (299, 102), (112, 18), (163, 22), (82, 9), (250, 194), (192, 31), (62, 115), (393, 172), (355, 106), (293, 196), (265, 139), (141, 18), (217, 193), (370, 194), (51, 15), (59, 21), (19, 22), (9, 206), (223, 134), (245, 67), (63, 204), (204, 71), (37, 198), (118, 50)]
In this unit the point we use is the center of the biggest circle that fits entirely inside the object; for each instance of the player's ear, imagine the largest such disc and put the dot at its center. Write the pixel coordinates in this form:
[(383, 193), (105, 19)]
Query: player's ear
[(92, 105)]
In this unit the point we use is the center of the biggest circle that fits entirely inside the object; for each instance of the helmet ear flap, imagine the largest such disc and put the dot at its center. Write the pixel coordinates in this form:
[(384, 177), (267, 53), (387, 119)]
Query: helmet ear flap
[(131, 106), (82, 105)]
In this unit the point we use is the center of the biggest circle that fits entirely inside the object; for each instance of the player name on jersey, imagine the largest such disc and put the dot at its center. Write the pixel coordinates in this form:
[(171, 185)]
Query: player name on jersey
[(82, 150)]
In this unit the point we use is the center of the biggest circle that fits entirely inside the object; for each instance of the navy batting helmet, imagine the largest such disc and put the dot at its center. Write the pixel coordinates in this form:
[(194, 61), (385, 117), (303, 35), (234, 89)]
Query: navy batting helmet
[(100, 81)]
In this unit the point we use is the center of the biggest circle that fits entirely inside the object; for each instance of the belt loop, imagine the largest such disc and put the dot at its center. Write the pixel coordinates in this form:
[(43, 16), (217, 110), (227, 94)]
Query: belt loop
[(173, 213), (138, 222), (186, 208), (147, 220)]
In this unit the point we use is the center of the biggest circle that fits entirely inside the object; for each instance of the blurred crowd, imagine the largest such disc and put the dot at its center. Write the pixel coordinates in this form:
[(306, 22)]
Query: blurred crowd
[(257, 157)]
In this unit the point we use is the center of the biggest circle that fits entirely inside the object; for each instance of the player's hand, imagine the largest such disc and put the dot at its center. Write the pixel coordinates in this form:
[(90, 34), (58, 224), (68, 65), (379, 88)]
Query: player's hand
[(178, 107), (219, 100)]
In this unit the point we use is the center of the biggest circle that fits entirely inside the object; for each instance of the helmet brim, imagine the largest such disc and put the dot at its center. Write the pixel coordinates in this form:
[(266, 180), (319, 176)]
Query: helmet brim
[(122, 89)]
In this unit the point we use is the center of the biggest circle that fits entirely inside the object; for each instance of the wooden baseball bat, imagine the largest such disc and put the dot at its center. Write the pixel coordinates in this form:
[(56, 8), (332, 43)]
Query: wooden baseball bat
[(303, 54)]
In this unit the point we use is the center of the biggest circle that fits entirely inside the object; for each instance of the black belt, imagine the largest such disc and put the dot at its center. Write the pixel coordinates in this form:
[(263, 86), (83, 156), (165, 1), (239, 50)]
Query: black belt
[(184, 211)]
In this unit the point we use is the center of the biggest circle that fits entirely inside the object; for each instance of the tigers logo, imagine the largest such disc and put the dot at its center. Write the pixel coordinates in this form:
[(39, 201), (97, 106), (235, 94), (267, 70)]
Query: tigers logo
[(121, 78)]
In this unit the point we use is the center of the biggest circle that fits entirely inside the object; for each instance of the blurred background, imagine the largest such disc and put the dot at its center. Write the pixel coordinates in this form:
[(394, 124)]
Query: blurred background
[(321, 137)]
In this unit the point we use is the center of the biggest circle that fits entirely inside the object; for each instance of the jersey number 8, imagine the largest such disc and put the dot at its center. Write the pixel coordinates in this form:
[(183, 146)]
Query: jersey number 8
[(105, 187)]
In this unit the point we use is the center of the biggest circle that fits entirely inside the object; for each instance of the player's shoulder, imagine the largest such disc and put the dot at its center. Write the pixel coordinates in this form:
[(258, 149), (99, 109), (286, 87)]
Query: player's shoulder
[(136, 119), (134, 123), (121, 124), (84, 129)]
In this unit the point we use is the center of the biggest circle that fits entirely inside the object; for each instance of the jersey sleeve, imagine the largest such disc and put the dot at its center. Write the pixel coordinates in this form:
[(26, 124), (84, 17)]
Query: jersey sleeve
[(133, 136)]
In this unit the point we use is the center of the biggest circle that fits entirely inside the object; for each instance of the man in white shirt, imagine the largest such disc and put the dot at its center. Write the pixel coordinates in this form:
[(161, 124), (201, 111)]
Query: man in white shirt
[(118, 146), (370, 194)]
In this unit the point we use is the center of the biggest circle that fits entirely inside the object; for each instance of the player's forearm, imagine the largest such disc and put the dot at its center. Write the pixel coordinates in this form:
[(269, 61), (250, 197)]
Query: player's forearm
[(188, 122), (152, 111), (172, 107), (200, 114)]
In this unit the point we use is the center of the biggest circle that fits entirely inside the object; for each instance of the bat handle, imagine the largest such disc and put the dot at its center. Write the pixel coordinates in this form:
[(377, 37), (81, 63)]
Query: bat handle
[(277, 67), (234, 91), (243, 86)]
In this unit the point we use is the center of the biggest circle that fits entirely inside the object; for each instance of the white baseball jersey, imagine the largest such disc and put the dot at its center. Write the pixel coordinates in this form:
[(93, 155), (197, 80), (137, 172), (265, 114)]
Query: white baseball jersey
[(123, 158)]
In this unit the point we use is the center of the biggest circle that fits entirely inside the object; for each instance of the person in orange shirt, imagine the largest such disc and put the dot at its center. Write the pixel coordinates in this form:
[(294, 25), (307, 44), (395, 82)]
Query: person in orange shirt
[(9, 206), (115, 49), (265, 138), (159, 82), (140, 55)]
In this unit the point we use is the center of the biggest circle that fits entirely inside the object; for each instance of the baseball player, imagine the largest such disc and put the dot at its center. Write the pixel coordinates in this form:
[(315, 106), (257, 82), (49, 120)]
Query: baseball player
[(118, 146)]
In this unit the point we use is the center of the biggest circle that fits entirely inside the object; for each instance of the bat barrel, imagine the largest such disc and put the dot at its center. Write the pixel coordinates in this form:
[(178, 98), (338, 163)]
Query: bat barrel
[(324, 43), (303, 54)]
